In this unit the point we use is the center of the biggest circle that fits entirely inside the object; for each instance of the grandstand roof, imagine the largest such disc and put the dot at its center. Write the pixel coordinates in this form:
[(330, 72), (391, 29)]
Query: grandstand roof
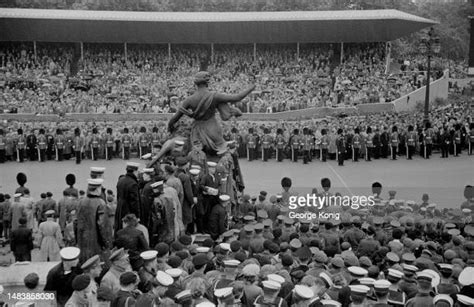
[(207, 27)]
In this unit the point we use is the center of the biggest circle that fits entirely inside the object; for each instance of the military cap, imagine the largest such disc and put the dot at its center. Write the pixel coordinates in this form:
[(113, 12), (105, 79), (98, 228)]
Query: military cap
[(228, 234), (224, 246), (262, 214), (450, 225), (231, 263), (393, 257), (175, 272), (367, 281), (276, 278), (248, 228), (424, 276), (395, 223), (427, 252), (331, 303), (378, 220), (267, 223), (97, 170), (408, 258), (69, 253), (17, 195), (128, 278), (223, 293), (288, 221), (464, 299), (149, 255), (118, 254), (81, 282), (91, 262), (295, 243), (196, 166), (224, 198), (466, 277), (258, 227), (454, 232), (183, 296), (395, 273), (249, 218), (445, 267), (194, 172), (205, 304), (271, 285), (359, 289), (280, 217), (409, 268), (50, 212), (443, 298), (211, 164), (303, 292), (251, 269), (326, 278), (203, 249), (133, 165), (382, 285), (357, 271), (466, 211), (156, 184), (164, 279)]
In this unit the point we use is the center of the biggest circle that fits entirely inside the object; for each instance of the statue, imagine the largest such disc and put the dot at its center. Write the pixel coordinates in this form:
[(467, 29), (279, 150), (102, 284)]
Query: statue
[(202, 106)]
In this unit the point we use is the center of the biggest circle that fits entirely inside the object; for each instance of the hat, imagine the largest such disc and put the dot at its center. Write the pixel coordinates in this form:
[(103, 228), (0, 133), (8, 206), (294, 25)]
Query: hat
[(320, 257), (408, 257), (262, 214), (81, 282), (183, 296), (211, 164), (148, 170), (164, 279), (409, 268), (382, 285), (97, 170), (206, 304), (276, 278), (365, 261), (91, 262), (367, 281), (194, 171), (304, 292), (424, 276), (95, 182), (176, 272), (360, 289), (133, 165), (271, 285), (118, 254), (327, 279), (295, 243), (149, 255), (395, 273), (248, 228), (232, 263), (466, 277), (17, 195), (267, 223), (466, 300), (445, 267), (162, 249), (357, 271), (251, 270), (225, 246), (223, 293), (443, 297), (393, 257), (258, 227), (200, 260), (469, 230), (378, 220), (70, 253), (224, 198), (202, 249), (50, 213), (185, 240), (156, 184), (288, 221), (331, 303), (466, 210), (179, 142), (128, 278), (395, 224)]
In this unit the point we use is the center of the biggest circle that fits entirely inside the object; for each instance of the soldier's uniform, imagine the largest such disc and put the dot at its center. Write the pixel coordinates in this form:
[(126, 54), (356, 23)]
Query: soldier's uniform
[(42, 146), (143, 142), (394, 143), (78, 145), (369, 145), (280, 145), (20, 144), (306, 144), (109, 144), (3, 146), (428, 141), (31, 145), (267, 142), (94, 145), (155, 141), (356, 144), (295, 145), (126, 144), (411, 143), (341, 147), (251, 146), (457, 141), (324, 146), (59, 144)]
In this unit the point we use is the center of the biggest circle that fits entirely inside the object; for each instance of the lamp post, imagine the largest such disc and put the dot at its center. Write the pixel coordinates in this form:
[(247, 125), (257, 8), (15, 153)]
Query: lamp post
[(429, 45)]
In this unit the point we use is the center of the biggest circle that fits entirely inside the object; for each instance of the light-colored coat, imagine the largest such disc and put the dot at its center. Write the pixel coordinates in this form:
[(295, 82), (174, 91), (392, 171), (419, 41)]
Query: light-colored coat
[(50, 240)]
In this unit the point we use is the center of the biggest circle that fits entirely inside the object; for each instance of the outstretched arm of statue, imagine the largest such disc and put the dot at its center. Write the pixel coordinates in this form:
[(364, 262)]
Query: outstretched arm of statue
[(165, 149), (233, 98), (176, 117)]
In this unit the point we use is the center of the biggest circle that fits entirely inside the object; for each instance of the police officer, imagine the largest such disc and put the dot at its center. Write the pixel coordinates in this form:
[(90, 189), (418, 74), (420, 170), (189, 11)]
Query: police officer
[(324, 145), (295, 145), (42, 145), (369, 144), (267, 142), (428, 140), (20, 143), (109, 144), (143, 142), (94, 145), (411, 142), (251, 145), (340, 147), (280, 145), (394, 140), (59, 144), (126, 144), (356, 144)]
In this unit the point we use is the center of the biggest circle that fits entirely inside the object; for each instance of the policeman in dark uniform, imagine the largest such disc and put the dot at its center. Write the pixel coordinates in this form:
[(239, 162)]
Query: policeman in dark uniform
[(356, 144), (324, 145), (51, 143), (31, 143), (78, 145), (377, 144), (109, 144), (428, 140), (384, 140), (444, 140), (42, 145), (457, 140), (340, 147), (280, 145), (295, 145), (411, 142), (143, 142), (126, 143), (306, 145)]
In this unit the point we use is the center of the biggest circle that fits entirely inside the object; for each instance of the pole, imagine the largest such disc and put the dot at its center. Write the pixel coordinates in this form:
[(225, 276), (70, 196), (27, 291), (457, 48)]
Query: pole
[(342, 52), (82, 51), (427, 93), (34, 49), (125, 51), (169, 51), (255, 52), (212, 52)]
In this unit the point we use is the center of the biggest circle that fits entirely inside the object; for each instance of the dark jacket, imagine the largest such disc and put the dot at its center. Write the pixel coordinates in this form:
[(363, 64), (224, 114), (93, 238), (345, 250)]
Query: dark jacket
[(61, 283), (217, 221), (21, 241), (188, 196), (123, 299), (128, 198), (134, 241)]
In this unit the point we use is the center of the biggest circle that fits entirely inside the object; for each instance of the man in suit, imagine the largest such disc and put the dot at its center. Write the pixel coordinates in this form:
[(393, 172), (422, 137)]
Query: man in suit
[(218, 221), (21, 242), (128, 196)]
